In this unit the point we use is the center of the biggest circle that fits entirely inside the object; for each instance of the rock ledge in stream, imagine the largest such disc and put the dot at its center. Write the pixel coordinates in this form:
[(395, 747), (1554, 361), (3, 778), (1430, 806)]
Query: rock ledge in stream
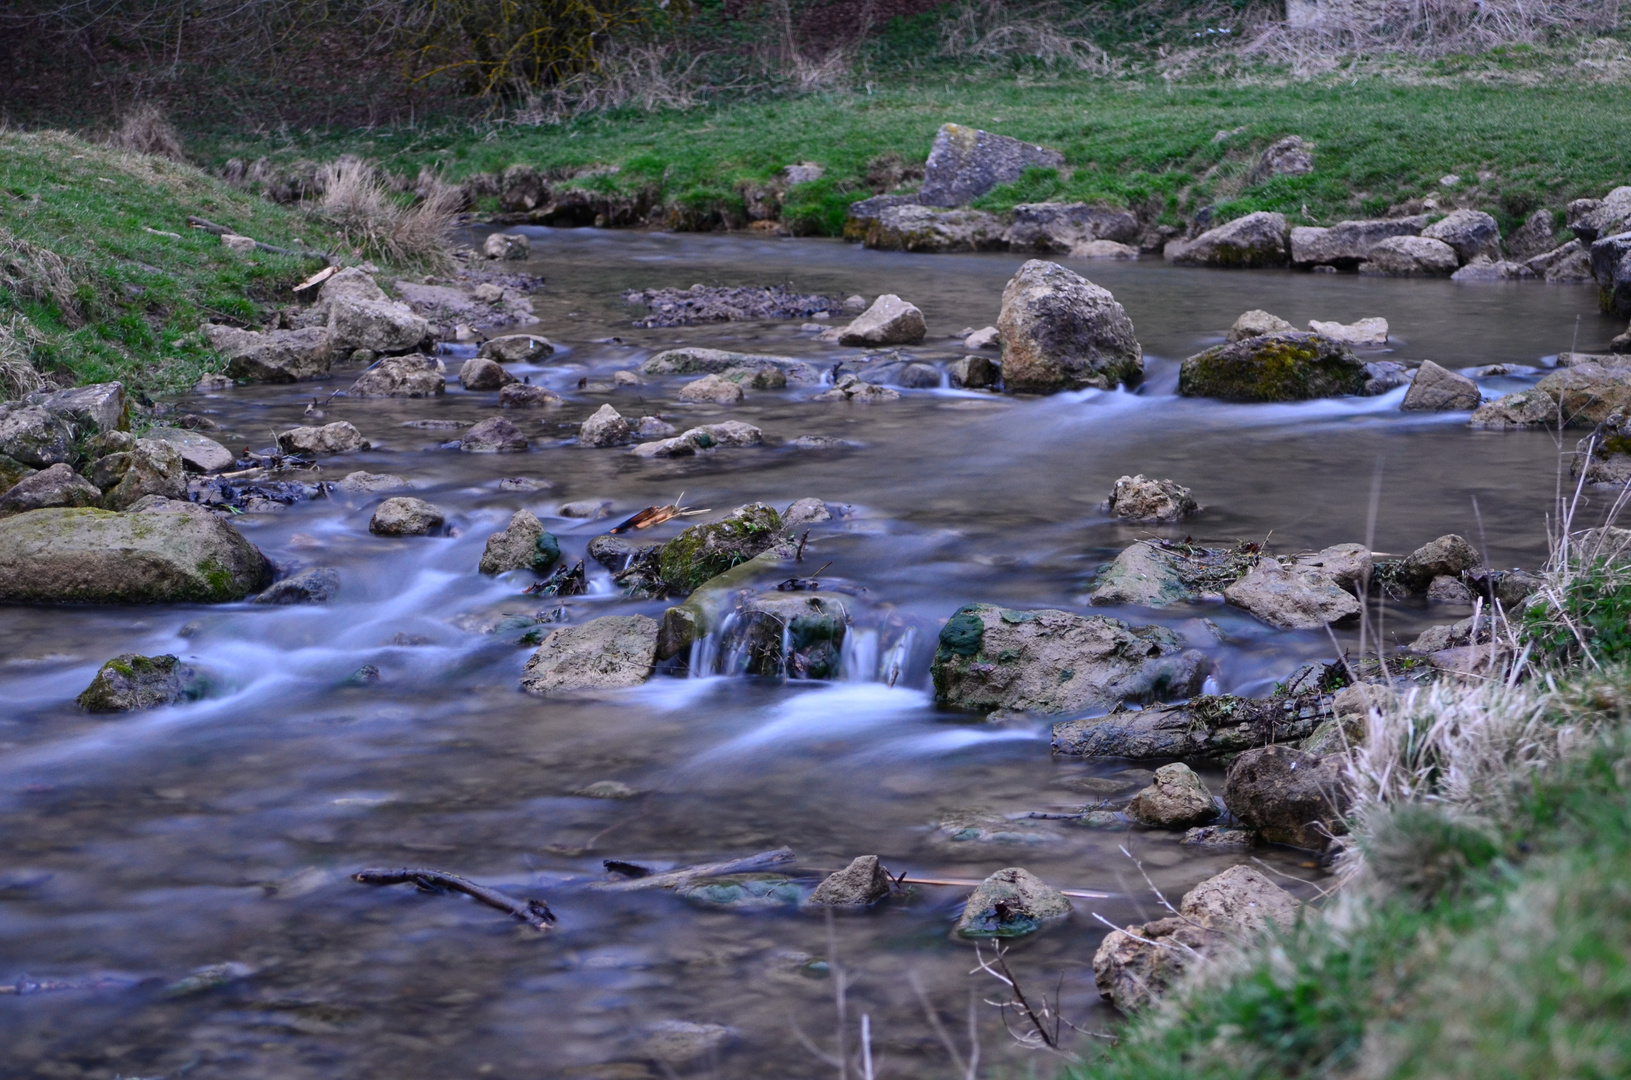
[(1208, 726), (608, 653), (1052, 661), (174, 553)]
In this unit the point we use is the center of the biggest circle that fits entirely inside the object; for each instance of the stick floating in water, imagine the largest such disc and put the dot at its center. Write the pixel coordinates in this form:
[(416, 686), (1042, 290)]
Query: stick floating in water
[(535, 913)]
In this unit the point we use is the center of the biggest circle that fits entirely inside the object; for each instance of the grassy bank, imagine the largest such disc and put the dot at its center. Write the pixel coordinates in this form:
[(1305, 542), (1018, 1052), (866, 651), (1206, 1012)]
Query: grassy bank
[(101, 277), (1380, 142), (1483, 928)]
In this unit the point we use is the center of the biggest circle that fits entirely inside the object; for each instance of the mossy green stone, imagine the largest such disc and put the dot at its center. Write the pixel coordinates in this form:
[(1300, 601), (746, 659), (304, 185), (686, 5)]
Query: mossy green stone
[(547, 552), (705, 551), (1290, 366)]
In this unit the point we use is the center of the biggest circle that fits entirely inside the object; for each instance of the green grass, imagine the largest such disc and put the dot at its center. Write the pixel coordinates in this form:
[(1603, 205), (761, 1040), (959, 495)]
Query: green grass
[(1379, 142), (137, 297), (1497, 952)]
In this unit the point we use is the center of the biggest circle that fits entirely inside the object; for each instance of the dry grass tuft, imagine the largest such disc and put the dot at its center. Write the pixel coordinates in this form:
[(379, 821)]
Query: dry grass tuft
[(358, 204), (993, 30), (17, 373), (34, 273), (650, 76), (146, 130)]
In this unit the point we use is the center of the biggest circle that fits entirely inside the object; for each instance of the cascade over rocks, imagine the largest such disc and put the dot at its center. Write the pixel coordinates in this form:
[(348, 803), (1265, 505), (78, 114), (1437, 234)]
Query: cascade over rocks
[(178, 553), (1060, 331), (1284, 366), (1056, 661), (1256, 240), (607, 653)]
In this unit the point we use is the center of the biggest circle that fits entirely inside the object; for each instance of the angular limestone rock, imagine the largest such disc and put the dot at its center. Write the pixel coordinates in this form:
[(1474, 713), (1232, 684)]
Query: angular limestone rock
[(611, 652), (1060, 331), (1011, 903)]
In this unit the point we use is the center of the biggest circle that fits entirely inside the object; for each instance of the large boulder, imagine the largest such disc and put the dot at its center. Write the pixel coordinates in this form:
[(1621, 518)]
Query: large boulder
[(57, 486), (1056, 661), (494, 435), (605, 427), (86, 409), (926, 229), (965, 163), (34, 436), (1176, 798), (521, 545), (1586, 395), (1060, 331), (1288, 366), (199, 453), (1436, 389), (607, 653), (1470, 233), (1290, 156), (1611, 267), (131, 681), (711, 390), (1294, 597), (381, 326), (404, 515), (1348, 243), (1064, 227), (86, 556), (1133, 967), (340, 437), (149, 467), (718, 361), (1289, 796), (1410, 256), (863, 882), (279, 356), (889, 321), (1591, 219), (708, 550), (352, 283), (1208, 726), (1011, 903), (1136, 499), (401, 376), (1255, 240)]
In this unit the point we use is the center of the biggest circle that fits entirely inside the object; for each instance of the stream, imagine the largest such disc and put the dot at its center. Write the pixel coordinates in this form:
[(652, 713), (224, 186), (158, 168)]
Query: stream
[(138, 849)]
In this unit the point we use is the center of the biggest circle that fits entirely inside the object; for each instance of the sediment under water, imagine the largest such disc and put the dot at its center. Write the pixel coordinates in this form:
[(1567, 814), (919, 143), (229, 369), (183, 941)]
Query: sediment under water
[(135, 850)]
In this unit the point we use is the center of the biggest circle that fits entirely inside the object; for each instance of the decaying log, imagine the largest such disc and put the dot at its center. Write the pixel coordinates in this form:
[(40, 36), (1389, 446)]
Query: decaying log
[(535, 913), (670, 879)]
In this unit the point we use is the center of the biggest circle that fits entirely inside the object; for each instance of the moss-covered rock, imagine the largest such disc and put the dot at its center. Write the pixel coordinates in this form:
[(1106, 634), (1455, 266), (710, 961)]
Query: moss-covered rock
[(86, 556), (1057, 661), (1011, 903), (705, 551), (132, 681), (1290, 366)]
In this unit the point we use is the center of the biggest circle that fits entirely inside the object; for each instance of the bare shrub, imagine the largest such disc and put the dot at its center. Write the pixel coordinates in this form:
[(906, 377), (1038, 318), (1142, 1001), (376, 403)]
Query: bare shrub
[(32, 272), (648, 75), (145, 130), (994, 30), (355, 201)]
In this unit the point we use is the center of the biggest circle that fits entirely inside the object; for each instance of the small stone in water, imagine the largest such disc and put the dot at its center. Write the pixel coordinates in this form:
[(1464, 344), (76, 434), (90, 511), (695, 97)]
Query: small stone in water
[(208, 978), (523, 483), (365, 675), (607, 789), (587, 508)]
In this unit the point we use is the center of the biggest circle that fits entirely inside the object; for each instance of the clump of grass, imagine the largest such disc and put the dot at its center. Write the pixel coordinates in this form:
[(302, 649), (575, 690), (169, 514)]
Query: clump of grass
[(33, 272), (146, 130), (363, 210), (17, 373)]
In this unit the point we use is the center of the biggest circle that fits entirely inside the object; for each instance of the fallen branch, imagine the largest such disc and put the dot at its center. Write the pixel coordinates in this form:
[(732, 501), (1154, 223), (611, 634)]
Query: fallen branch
[(674, 878), (221, 230), (535, 913)]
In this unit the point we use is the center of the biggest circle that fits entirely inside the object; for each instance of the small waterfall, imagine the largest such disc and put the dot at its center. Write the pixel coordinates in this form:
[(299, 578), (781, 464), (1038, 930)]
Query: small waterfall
[(705, 650), (858, 662), (895, 662)]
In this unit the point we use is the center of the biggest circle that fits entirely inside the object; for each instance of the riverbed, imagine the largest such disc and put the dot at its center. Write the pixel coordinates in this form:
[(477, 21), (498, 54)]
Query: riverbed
[(136, 850)]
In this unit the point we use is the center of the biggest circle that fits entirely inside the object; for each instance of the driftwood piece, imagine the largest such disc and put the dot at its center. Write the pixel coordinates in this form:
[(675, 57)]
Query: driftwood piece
[(221, 230), (974, 883), (670, 879), (535, 913)]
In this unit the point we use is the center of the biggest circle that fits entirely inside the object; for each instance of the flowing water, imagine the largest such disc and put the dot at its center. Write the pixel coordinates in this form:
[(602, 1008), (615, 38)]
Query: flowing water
[(138, 849)]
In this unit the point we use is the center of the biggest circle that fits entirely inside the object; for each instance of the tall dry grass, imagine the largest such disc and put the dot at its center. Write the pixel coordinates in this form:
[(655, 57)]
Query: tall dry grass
[(18, 375), (986, 30), (145, 129), (34, 273), (361, 207)]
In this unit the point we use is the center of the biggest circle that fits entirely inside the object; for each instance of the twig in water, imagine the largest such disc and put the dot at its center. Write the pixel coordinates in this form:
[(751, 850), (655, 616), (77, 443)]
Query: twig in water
[(1043, 1018), (535, 913), (673, 878)]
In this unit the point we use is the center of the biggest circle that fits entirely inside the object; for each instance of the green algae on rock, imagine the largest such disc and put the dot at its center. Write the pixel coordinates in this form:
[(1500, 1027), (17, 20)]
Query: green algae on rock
[(705, 551), (1289, 366)]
